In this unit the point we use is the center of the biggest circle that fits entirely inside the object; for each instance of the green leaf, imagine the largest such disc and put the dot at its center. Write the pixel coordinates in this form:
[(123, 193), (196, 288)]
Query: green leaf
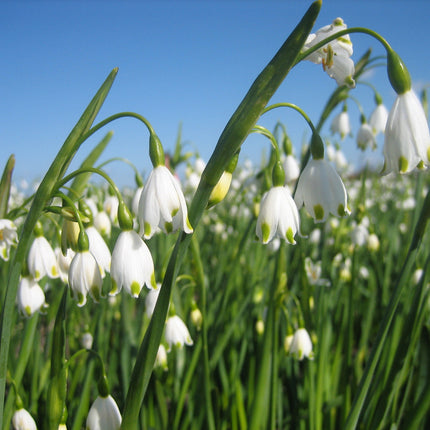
[(5, 183)]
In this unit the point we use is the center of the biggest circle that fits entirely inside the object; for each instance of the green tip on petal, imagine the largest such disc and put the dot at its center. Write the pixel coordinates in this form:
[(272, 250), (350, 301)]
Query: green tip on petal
[(37, 274), (81, 299), (189, 224), (95, 293), (428, 153), (54, 272), (153, 282), (114, 289), (147, 229), (265, 230), (319, 212), (168, 226), (290, 236), (135, 289), (341, 210), (403, 164), (174, 212), (27, 310)]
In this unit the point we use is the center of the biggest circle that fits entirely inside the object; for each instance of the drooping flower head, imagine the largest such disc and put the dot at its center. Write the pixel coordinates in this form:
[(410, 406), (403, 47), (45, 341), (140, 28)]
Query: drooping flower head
[(334, 55), (301, 345), (407, 136), (22, 420), (341, 124), (176, 333), (104, 414), (278, 215), (30, 296), (320, 188), (132, 264), (8, 237)]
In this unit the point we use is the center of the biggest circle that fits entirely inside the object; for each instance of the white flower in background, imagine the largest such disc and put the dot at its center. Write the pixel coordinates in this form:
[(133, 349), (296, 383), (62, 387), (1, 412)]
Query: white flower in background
[(301, 345), (363, 271), (161, 358), (104, 414), (407, 138), (111, 207), (30, 296), (176, 333), (334, 55), (162, 204), (99, 249), (151, 300), (103, 223), (64, 263), (278, 217), (341, 124), (359, 235), (85, 277), (417, 276), (291, 168), (378, 119), (41, 259), (132, 264), (22, 420), (8, 237), (92, 204), (313, 273), (320, 189), (135, 201), (366, 137), (373, 242), (287, 343), (335, 154), (87, 340)]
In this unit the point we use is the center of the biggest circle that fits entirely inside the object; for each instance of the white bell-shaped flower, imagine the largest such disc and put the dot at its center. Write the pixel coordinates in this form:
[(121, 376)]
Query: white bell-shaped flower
[(42, 260), (176, 333), (85, 277), (366, 137), (278, 217), (99, 249), (8, 237), (321, 190), (407, 138), (22, 420), (378, 119), (301, 345), (291, 168), (162, 204), (30, 296), (132, 264), (341, 124), (104, 414)]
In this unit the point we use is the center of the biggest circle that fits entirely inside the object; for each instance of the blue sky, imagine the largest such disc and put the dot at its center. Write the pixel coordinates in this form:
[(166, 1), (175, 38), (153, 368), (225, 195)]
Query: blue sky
[(180, 62)]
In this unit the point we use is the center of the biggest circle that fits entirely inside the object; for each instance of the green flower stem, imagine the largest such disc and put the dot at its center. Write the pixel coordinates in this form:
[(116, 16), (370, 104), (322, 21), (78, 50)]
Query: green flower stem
[(296, 108), (138, 177), (195, 249), (230, 141), (5, 183), (379, 343), (262, 130), (41, 198), (24, 355)]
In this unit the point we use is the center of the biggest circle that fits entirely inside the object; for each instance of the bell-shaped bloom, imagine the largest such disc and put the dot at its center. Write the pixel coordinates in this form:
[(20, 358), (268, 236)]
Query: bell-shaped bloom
[(162, 204), (110, 206), (301, 345), (22, 420), (176, 333), (85, 277), (366, 137), (313, 273), (104, 414), (334, 55), (30, 296), (41, 259), (291, 168), (341, 124), (99, 249), (135, 201), (8, 237), (407, 138), (64, 263), (103, 223), (378, 119), (150, 301), (161, 358), (321, 190), (132, 264), (278, 217)]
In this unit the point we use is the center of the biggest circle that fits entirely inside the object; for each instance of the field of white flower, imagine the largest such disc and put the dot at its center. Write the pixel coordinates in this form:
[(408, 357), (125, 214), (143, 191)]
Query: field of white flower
[(218, 294)]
